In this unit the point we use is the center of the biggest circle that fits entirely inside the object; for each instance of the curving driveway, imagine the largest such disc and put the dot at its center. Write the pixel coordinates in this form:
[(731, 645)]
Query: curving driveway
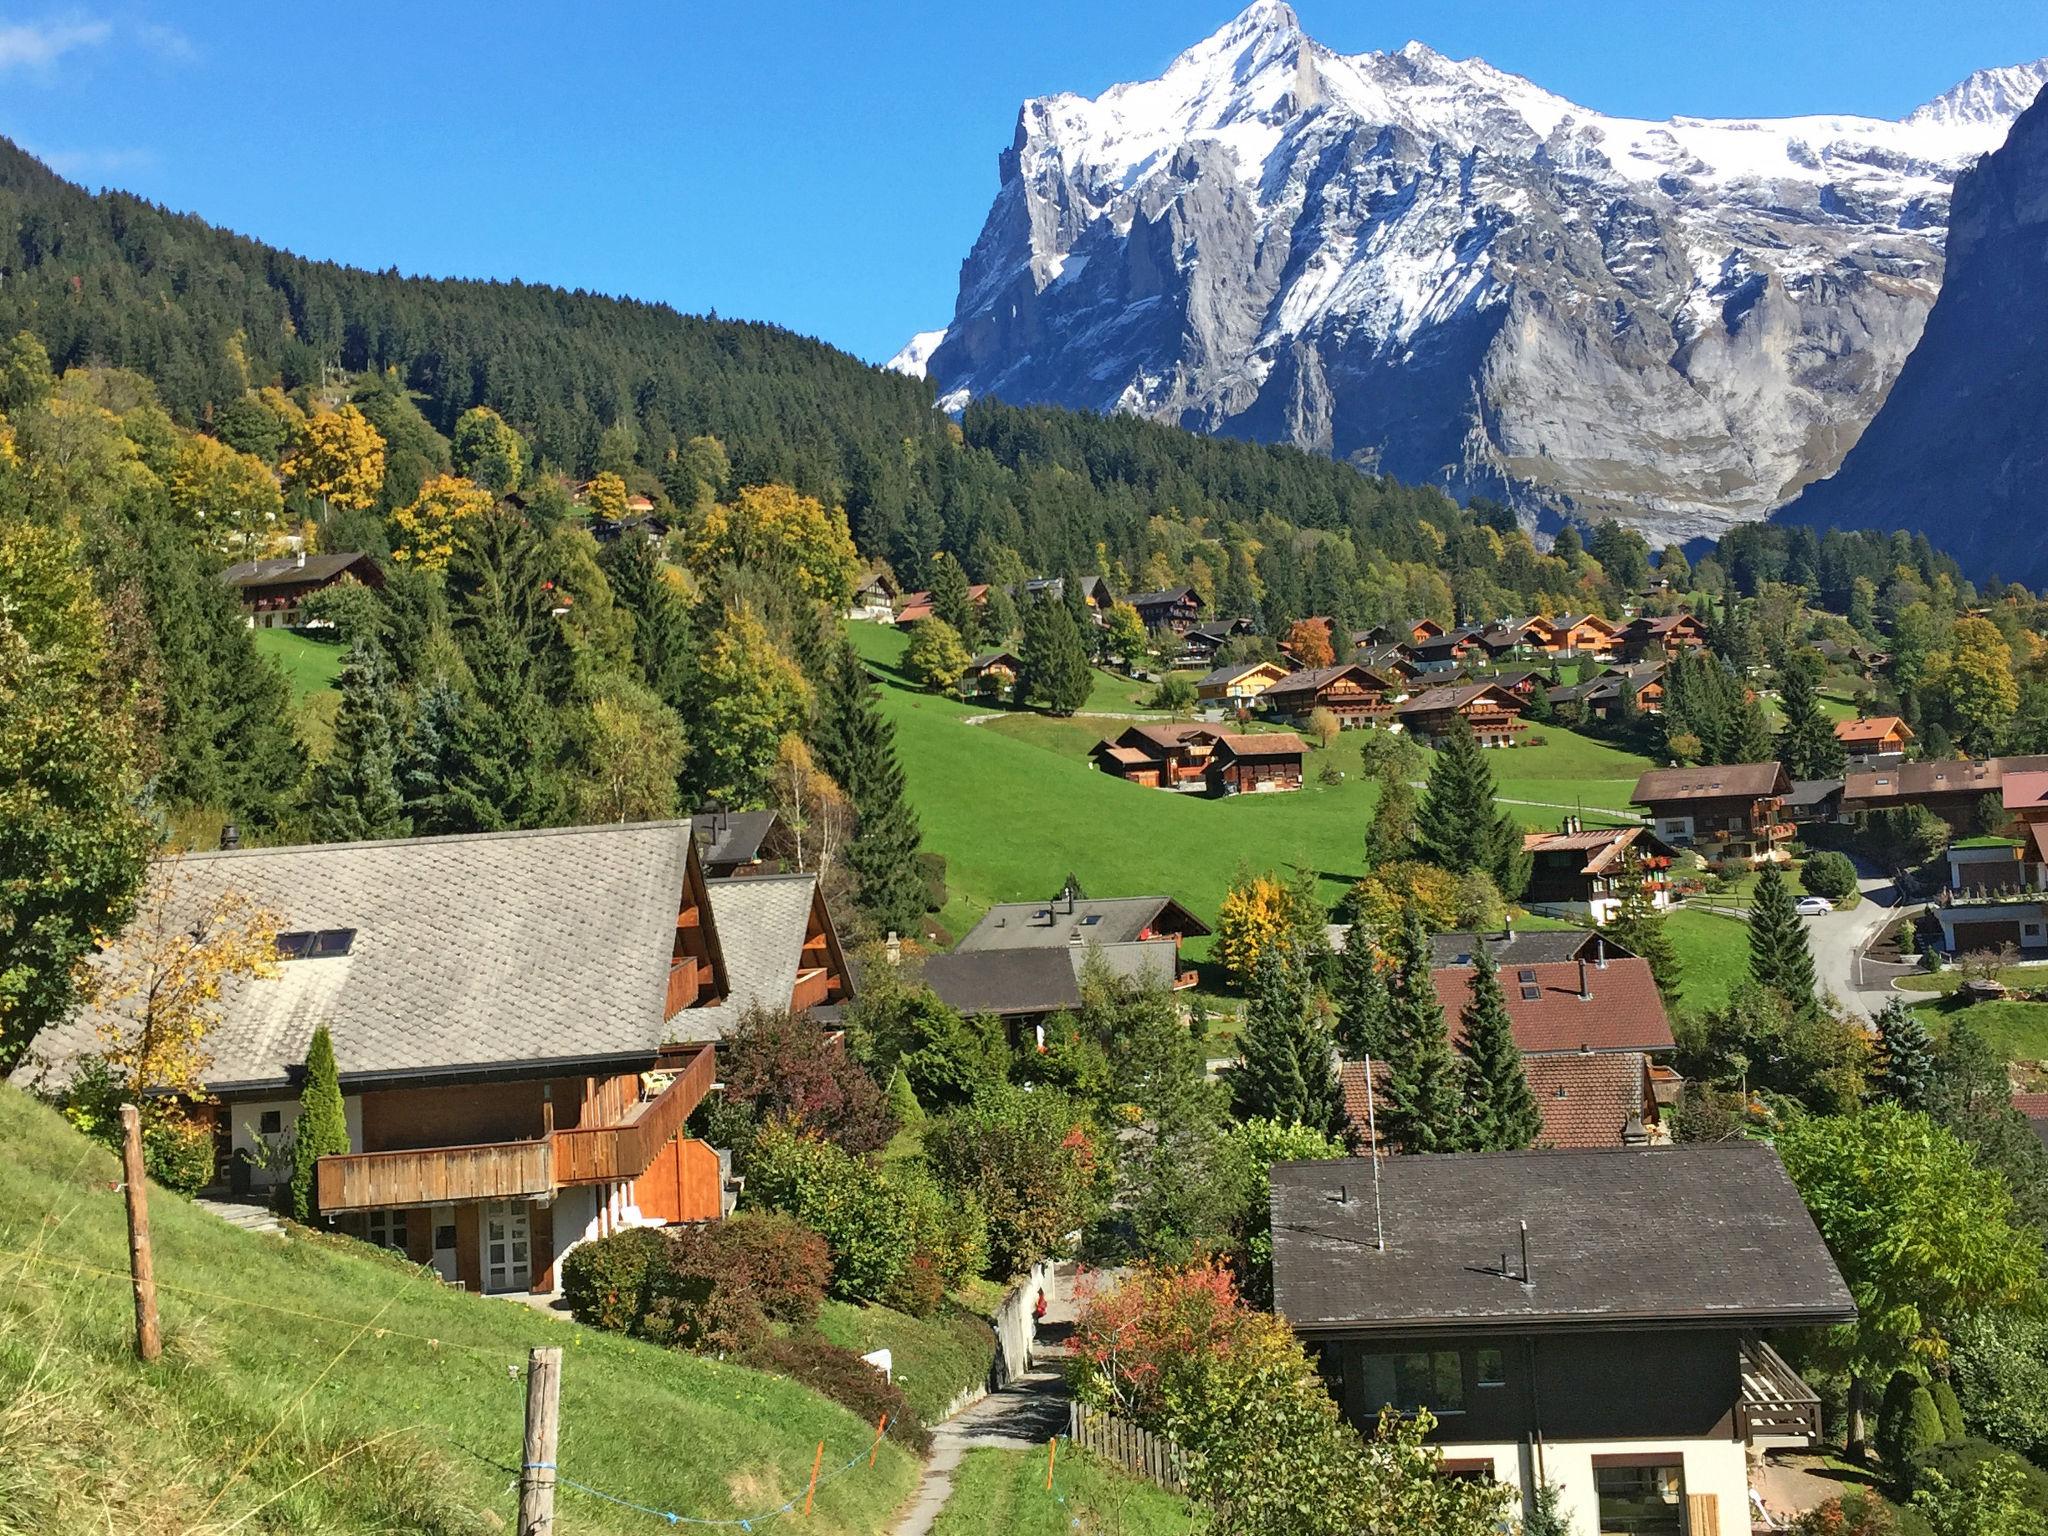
[(1838, 939)]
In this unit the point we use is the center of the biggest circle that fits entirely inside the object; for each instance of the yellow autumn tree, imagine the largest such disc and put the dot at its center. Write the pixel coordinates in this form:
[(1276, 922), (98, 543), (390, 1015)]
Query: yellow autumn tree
[(606, 496), (766, 521), (339, 460), (159, 988), (1258, 912), (426, 525), (231, 497)]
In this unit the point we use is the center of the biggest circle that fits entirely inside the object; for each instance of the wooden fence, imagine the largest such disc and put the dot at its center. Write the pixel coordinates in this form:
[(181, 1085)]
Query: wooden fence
[(1152, 1457)]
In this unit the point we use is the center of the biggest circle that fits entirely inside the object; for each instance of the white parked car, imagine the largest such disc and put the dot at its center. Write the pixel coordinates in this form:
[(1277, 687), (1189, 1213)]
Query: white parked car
[(1815, 906)]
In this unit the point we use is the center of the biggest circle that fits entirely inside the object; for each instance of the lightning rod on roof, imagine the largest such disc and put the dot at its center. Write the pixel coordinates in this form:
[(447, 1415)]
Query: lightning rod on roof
[(1372, 1132)]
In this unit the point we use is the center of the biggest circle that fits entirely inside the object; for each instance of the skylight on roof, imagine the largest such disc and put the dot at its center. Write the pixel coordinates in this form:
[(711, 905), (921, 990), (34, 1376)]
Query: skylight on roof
[(315, 943), (1525, 977), (1530, 994), (1091, 919)]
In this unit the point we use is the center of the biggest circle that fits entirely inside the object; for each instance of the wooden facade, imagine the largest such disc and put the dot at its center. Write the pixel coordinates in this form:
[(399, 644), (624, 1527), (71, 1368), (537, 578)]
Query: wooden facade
[(1573, 634), (1178, 608), (1355, 695), (1256, 763), (1662, 637), (1494, 714), (1727, 812)]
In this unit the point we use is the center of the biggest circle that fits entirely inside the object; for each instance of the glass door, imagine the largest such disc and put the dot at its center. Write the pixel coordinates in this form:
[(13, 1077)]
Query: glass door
[(508, 1246)]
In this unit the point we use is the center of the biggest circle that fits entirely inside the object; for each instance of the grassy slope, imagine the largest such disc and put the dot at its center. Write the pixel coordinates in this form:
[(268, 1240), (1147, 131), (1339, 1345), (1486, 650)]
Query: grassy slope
[(1003, 1493), (1029, 779), (311, 664), (935, 1359), (1714, 952), (2018, 1031), (93, 1441)]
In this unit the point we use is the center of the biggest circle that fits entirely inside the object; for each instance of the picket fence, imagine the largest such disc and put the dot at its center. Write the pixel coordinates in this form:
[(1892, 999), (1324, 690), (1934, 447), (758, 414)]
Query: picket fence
[(1152, 1457)]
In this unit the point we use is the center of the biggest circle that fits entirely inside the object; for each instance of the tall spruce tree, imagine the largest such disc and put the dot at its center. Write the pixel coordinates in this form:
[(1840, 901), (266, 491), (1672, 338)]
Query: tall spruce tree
[(425, 767), (1638, 927), (1363, 999), (856, 745), (1288, 1074), (355, 795), (1749, 737), (664, 641), (1778, 956), (323, 1125), (1906, 1055), (1807, 744), (952, 600), (1457, 827), (1055, 673), (1424, 1104), (1393, 820), (1500, 1110)]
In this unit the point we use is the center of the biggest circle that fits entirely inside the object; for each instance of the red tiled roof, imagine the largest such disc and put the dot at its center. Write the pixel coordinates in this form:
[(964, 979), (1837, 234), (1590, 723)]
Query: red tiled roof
[(1622, 1013), (1585, 1099), (2033, 1105)]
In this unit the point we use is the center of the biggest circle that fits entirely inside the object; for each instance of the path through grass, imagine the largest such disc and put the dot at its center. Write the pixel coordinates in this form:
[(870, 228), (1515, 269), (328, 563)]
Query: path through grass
[(1003, 1493)]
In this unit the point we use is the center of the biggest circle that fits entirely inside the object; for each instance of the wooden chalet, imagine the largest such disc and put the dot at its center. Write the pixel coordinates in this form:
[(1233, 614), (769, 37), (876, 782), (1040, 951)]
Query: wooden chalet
[(917, 606), (1874, 740), (1727, 811), (1952, 788), (1578, 871), (1353, 694), (1573, 634), (1396, 663), (1600, 697), (1159, 756), (1201, 643), (1177, 608), (1255, 762), (1239, 682), (1998, 885), (1494, 714), (874, 596), (1662, 636), (271, 591), (1448, 651), (992, 672), (522, 1021)]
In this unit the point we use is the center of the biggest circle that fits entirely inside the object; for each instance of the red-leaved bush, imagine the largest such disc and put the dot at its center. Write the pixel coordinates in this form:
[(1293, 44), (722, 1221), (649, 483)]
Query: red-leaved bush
[(785, 1067)]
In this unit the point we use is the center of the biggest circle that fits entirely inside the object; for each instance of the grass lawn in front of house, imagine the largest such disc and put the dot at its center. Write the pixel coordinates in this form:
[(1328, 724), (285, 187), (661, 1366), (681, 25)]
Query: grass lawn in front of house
[(1004, 1493), (310, 661), (2018, 1031), (1714, 954), (933, 1359)]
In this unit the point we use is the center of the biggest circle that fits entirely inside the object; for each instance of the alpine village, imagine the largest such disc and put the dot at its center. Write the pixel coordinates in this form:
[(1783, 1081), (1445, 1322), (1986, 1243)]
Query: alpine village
[(613, 919)]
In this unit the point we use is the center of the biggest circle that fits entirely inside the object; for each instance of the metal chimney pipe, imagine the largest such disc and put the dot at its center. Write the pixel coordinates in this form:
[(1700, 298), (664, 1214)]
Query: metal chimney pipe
[(1585, 984)]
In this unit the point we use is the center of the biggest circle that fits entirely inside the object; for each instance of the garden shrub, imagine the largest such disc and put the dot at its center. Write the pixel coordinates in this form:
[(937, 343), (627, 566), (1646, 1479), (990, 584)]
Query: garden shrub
[(784, 1066), (1998, 1362), (1951, 1410), (177, 1152), (1919, 1432), (1032, 1163), (843, 1199), (609, 1282), (1891, 1416), (1856, 1513), (947, 1227), (1830, 875), (841, 1375), (1956, 1460), (920, 1289)]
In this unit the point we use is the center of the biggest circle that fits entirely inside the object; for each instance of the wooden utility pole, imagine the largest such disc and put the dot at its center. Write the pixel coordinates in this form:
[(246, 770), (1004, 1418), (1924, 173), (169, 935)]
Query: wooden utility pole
[(148, 1342), (537, 1460)]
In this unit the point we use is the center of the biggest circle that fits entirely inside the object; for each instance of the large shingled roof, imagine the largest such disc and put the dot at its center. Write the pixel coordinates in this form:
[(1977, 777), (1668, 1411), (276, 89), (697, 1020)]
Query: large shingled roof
[(1704, 1235)]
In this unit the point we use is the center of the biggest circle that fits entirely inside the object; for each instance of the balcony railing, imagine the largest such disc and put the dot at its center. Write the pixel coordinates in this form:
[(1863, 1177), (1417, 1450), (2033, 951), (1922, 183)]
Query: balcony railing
[(511, 1170), (683, 985), (1775, 1400), (813, 989)]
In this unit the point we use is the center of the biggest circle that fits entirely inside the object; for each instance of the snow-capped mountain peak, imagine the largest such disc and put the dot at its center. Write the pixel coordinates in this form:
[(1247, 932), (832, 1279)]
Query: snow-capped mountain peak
[(1439, 267)]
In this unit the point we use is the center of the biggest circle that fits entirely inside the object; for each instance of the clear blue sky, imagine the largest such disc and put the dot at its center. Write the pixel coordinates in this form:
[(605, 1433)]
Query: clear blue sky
[(822, 165)]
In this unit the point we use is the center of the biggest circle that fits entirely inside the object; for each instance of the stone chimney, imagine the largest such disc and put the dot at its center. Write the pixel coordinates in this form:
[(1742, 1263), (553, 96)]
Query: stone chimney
[(893, 948), (230, 836), (1585, 984)]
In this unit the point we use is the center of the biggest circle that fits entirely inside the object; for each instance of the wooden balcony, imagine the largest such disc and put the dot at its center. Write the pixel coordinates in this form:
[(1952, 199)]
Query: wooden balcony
[(1776, 1402), (506, 1170), (684, 984), (813, 989), (513, 1170)]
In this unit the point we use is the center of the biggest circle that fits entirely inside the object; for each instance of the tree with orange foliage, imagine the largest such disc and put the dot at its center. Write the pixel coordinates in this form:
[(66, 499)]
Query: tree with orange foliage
[(1308, 642)]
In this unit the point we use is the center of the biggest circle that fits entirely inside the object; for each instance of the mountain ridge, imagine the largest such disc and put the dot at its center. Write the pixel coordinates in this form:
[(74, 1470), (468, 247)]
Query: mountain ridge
[(1441, 270)]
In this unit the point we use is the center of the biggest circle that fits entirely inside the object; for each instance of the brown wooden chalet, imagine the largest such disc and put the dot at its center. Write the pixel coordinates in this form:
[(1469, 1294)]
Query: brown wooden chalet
[(992, 671), (1952, 788), (1600, 697), (522, 1022), (1726, 811), (1585, 871), (1355, 695), (1159, 756), (271, 591), (1875, 739), (1177, 608), (1202, 642), (1396, 663), (1256, 762), (1494, 714), (917, 606), (1573, 634), (1662, 636)]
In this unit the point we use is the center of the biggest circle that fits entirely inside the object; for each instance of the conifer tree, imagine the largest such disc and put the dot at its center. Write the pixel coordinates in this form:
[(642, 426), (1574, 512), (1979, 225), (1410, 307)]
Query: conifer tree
[(1500, 1109), (1393, 821), (1055, 671), (952, 601), (1778, 956), (1807, 745), (1906, 1055), (1457, 827), (323, 1124), (426, 764), (663, 637), (1749, 737), (1288, 1074), (1362, 997), (855, 744), (497, 769), (1638, 927), (1423, 1108), (355, 795)]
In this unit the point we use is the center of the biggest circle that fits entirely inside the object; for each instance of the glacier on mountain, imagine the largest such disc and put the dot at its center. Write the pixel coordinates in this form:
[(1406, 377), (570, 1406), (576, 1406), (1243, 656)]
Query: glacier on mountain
[(1438, 269)]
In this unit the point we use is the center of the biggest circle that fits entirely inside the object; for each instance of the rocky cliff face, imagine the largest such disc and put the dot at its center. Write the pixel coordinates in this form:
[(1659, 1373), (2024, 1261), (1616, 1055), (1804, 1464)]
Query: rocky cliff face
[(1960, 449), (1441, 270)]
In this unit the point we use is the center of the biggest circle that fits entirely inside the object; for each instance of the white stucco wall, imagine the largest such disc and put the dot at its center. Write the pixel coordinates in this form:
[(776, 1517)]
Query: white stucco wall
[(246, 1118), (1719, 1467)]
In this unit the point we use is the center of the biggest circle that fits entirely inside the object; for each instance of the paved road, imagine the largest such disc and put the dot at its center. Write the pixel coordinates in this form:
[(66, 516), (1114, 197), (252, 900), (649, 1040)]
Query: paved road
[(1839, 937), (1021, 1417)]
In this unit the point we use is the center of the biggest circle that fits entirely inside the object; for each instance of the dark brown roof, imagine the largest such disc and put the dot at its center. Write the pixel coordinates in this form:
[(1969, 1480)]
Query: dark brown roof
[(1939, 776), (1621, 1011), (1602, 846), (1313, 679), (1720, 781), (1437, 700), (1703, 1235), (289, 571), (1518, 947), (1261, 744)]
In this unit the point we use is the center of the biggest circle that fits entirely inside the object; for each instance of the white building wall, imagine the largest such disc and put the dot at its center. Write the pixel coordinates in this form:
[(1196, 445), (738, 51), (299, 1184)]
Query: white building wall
[(1719, 1467), (245, 1122)]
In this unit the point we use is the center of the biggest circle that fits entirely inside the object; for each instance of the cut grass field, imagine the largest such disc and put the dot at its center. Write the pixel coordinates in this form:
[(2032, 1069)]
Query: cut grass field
[(2017, 1031), (933, 1359), (1003, 1493), (1714, 954), (1014, 805), (309, 662), (310, 1383)]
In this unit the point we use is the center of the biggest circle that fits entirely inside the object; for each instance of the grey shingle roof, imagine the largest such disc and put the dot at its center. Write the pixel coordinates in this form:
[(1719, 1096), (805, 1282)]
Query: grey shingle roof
[(1041, 979), (1707, 1235), (1049, 925), (738, 837), (287, 569), (513, 947), (761, 921)]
